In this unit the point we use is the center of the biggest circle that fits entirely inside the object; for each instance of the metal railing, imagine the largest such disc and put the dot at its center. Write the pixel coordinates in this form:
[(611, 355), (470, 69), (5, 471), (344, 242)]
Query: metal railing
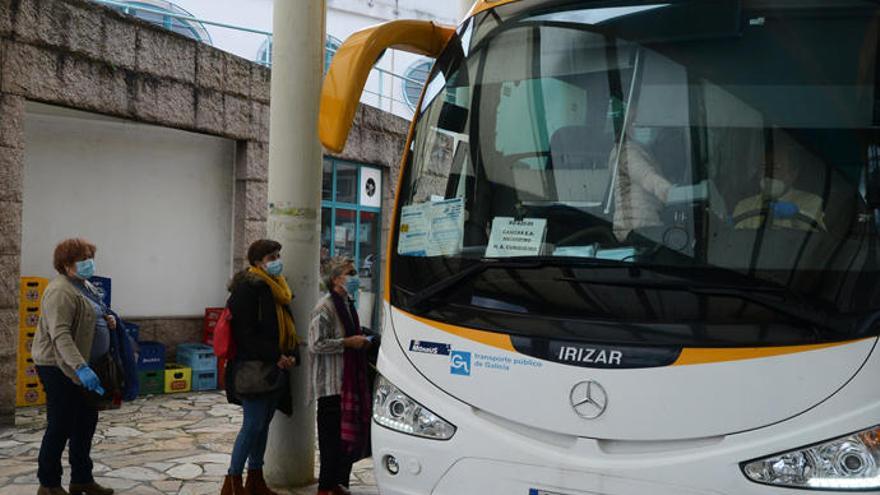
[(383, 100), (183, 17)]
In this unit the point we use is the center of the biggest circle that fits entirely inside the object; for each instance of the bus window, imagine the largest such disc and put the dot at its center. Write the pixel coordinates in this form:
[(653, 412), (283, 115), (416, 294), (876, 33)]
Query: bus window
[(737, 153), (531, 111)]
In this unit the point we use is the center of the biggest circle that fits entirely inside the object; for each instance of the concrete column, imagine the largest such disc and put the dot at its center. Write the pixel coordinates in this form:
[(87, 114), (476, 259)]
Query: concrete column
[(295, 156)]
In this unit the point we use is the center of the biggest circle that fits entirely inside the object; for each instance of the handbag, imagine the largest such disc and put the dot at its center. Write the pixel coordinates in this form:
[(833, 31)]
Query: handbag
[(257, 377), (109, 371)]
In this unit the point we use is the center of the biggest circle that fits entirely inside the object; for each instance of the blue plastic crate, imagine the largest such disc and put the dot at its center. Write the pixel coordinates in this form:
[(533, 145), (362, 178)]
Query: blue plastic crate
[(197, 356), (204, 380), (151, 356)]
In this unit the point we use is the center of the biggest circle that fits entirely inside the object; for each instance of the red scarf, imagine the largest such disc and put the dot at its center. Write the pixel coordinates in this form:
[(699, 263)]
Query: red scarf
[(357, 406)]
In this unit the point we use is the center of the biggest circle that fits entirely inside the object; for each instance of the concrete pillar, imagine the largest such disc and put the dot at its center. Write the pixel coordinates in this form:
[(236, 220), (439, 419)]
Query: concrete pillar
[(295, 157)]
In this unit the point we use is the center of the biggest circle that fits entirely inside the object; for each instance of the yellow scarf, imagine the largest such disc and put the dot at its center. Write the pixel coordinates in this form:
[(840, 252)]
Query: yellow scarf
[(287, 338)]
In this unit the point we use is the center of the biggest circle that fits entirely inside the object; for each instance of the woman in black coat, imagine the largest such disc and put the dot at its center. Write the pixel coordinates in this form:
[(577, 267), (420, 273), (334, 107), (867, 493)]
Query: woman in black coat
[(266, 348)]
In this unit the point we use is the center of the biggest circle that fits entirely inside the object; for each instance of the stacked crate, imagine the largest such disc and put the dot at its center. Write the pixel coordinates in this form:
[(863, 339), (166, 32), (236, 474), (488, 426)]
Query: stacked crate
[(212, 316), (201, 360), (29, 390), (151, 368), (178, 378)]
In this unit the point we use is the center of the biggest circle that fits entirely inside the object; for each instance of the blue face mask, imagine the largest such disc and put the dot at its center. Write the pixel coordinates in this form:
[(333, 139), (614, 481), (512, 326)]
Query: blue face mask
[(85, 269), (274, 268), (352, 286)]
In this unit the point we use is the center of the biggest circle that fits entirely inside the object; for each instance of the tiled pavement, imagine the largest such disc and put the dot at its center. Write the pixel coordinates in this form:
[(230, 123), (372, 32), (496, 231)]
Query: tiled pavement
[(157, 445)]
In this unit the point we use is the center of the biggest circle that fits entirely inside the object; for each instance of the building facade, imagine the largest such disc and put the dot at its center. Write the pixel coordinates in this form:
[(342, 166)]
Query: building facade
[(153, 146), (242, 27)]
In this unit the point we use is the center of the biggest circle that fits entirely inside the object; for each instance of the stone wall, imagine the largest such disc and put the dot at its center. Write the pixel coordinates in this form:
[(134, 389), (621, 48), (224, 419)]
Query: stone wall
[(80, 55), (170, 331)]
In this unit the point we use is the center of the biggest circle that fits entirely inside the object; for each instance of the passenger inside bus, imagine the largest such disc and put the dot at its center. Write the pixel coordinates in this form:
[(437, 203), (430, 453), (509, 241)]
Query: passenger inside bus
[(640, 191), (780, 203)]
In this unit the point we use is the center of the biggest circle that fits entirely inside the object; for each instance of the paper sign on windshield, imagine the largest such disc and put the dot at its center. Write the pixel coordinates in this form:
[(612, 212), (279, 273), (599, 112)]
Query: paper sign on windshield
[(511, 237), (432, 229)]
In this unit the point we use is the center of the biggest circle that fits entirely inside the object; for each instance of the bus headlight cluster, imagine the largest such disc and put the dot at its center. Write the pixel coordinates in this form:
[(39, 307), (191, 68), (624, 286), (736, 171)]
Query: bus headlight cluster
[(395, 410), (847, 463)]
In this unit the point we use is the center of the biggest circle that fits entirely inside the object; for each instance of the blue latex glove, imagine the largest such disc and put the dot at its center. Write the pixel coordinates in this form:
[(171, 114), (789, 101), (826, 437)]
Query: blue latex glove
[(89, 380), (785, 209)]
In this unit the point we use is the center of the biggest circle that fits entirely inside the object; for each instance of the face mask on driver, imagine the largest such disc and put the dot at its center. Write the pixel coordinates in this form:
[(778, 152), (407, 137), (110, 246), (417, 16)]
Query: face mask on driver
[(775, 188)]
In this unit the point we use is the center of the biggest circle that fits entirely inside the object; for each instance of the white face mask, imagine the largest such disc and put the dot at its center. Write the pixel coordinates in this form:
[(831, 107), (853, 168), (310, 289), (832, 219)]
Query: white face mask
[(775, 188), (644, 135)]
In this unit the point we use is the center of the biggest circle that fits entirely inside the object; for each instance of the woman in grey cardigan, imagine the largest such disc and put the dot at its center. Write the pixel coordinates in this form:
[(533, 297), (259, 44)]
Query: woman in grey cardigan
[(339, 379), (73, 332)]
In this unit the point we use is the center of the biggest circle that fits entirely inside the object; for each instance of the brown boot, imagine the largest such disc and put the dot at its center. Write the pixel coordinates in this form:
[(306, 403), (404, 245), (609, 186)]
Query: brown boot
[(256, 484), (232, 485), (44, 490), (89, 489)]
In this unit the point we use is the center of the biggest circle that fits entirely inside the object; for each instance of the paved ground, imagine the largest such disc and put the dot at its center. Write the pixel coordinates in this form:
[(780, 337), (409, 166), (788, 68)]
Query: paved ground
[(163, 444)]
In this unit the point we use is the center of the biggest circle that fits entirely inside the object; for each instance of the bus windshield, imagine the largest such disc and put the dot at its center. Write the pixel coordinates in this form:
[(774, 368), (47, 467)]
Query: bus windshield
[(610, 156)]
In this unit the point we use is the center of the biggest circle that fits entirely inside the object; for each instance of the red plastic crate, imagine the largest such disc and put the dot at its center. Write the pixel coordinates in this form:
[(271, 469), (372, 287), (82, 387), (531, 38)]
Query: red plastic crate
[(212, 316)]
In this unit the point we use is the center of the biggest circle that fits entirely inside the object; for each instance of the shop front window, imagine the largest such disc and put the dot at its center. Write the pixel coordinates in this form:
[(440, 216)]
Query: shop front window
[(351, 225)]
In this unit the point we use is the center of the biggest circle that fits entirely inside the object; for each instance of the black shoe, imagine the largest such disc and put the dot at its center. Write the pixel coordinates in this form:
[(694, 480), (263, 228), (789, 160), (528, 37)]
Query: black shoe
[(44, 490), (89, 489)]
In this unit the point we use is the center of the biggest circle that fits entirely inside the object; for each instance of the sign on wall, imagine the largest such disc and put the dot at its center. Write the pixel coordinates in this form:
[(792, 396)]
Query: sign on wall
[(371, 187)]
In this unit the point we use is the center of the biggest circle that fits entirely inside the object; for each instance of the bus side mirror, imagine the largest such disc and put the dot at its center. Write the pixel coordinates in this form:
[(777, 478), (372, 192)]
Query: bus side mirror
[(353, 62)]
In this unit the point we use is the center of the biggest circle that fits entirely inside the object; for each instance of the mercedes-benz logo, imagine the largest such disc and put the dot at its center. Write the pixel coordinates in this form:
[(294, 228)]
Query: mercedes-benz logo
[(588, 399)]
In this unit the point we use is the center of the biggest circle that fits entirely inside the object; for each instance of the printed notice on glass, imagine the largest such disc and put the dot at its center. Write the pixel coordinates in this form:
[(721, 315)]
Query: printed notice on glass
[(512, 237), (446, 234), (432, 229), (413, 239)]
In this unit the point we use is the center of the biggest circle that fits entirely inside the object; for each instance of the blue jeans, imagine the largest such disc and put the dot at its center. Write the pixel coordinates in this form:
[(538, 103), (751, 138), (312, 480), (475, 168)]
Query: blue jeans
[(250, 445), (70, 418)]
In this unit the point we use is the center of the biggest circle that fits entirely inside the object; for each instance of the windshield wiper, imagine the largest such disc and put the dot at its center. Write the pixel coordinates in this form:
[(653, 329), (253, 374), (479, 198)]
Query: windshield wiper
[(775, 298), (483, 264), (451, 281)]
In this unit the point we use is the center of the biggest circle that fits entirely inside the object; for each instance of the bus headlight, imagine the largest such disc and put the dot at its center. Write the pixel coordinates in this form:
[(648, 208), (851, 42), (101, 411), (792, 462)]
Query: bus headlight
[(846, 463), (395, 410)]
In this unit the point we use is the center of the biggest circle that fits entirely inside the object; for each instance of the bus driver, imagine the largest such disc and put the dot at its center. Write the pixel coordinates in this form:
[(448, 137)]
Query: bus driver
[(779, 203)]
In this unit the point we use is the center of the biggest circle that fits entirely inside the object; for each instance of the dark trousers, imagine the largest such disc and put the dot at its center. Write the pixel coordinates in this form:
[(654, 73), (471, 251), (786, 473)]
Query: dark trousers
[(70, 418), (335, 463)]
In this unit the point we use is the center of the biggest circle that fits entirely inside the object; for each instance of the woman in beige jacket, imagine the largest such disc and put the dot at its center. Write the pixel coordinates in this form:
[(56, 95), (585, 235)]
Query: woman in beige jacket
[(73, 332)]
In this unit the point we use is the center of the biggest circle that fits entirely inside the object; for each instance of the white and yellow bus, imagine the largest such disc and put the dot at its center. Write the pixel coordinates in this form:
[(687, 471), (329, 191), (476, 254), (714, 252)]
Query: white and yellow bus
[(635, 249)]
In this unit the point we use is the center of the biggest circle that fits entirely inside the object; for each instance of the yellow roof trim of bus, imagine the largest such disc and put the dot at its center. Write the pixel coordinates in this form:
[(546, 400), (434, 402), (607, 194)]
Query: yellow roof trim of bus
[(694, 355), (689, 355)]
